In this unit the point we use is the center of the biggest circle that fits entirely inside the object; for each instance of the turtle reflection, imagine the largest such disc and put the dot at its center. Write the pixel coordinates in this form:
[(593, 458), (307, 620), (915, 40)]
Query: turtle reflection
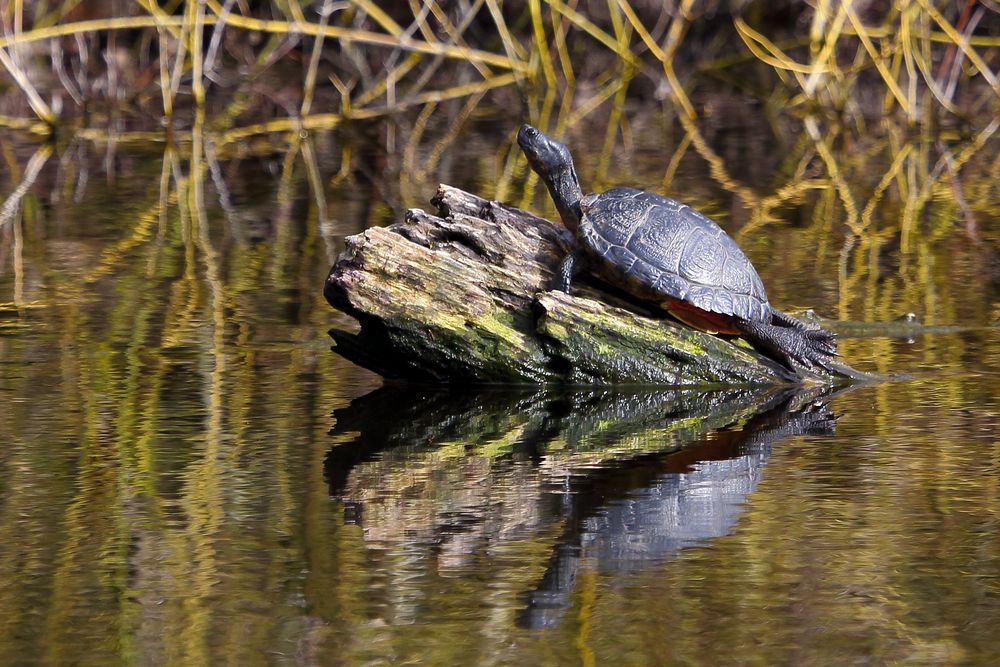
[(624, 518), (612, 478)]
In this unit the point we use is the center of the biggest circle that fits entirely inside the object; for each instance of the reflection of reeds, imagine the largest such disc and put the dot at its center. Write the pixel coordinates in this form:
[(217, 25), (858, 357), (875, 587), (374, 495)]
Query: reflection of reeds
[(201, 439), (193, 403), (10, 206)]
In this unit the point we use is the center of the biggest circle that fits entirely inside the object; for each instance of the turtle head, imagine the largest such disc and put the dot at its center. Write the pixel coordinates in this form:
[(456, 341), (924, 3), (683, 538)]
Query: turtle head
[(552, 161), (545, 155)]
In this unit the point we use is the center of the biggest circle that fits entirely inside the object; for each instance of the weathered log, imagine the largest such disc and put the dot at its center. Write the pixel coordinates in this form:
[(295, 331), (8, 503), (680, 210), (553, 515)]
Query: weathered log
[(462, 296)]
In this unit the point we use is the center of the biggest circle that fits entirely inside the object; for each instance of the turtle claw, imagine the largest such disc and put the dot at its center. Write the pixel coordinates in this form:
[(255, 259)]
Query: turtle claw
[(569, 267)]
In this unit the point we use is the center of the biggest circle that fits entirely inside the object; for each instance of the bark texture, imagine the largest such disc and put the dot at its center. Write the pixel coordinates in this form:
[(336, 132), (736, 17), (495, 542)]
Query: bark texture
[(461, 295)]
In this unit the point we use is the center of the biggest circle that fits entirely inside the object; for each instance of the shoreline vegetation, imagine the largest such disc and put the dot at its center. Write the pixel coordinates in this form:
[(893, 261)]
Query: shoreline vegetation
[(258, 67)]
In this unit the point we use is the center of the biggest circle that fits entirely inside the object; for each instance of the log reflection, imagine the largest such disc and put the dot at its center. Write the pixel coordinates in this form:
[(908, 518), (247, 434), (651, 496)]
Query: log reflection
[(610, 479)]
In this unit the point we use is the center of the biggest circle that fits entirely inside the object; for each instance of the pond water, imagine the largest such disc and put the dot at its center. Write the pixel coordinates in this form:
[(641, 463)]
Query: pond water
[(190, 476)]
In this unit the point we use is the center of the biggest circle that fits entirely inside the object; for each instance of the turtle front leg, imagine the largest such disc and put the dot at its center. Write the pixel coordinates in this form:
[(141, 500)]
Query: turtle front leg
[(570, 267)]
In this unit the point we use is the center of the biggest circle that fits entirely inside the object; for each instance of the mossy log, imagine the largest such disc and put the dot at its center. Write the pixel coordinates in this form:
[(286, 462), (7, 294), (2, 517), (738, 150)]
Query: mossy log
[(462, 296)]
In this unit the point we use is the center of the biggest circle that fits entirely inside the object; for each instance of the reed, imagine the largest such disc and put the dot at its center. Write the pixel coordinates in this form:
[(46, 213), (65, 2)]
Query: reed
[(931, 59)]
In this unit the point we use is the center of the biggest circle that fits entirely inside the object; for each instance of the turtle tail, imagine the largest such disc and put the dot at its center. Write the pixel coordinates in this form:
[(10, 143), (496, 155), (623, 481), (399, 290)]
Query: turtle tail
[(794, 344)]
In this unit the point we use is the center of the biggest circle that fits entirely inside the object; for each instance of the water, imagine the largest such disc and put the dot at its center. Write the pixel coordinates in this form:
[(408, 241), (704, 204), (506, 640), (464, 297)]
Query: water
[(190, 476)]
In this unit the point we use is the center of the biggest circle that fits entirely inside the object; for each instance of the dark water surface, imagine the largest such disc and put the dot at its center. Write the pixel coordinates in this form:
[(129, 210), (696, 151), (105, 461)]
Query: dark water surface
[(189, 476)]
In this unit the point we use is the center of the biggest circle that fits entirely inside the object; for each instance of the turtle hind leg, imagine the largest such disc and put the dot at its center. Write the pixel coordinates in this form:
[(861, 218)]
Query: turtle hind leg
[(810, 348), (820, 337)]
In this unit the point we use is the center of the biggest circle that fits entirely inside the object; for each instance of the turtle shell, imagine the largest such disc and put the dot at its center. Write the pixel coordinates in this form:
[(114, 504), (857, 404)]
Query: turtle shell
[(662, 250)]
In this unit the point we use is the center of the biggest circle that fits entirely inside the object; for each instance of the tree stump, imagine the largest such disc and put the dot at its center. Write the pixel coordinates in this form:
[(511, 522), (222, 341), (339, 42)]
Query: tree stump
[(462, 296)]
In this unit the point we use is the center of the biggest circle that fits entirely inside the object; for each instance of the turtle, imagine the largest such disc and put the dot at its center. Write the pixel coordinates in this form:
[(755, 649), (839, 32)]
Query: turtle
[(662, 251)]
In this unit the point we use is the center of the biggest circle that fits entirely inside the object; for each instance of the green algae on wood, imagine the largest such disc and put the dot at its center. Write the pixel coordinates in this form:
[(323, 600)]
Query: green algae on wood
[(462, 296), (602, 344)]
